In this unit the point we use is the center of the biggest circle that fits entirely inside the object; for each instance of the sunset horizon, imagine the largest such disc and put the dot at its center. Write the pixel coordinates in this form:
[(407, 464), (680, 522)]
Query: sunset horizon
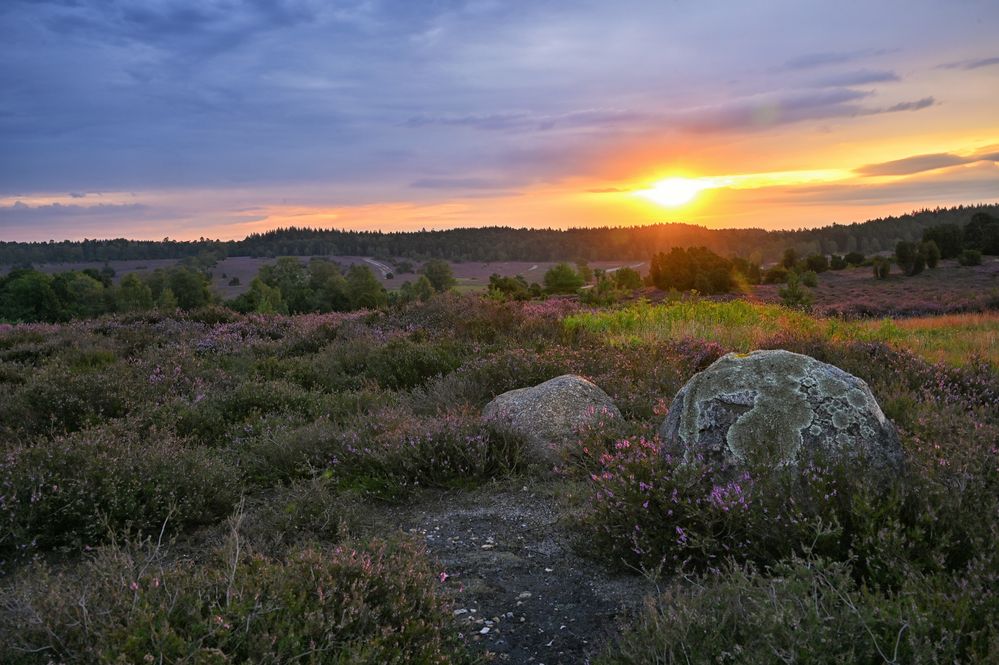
[(221, 120)]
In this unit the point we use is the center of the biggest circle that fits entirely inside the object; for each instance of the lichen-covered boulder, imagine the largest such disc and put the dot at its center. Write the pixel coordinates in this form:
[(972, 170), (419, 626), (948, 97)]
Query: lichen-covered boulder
[(549, 415), (778, 408)]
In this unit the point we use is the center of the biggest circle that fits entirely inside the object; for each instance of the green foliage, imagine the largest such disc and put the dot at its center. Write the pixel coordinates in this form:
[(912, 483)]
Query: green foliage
[(750, 270), (628, 279), (810, 279), (189, 287), (982, 233), (810, 611), (562, 278), (440, 274), (854, 258), (837, 262), (354, 603), (509, 288), (790, 258), (817, 263), (881, 267), (931, 253), (604, 292), (260, 299), (776, 275), (692, 268), (910, 258), (133, 295), (948, 237), (970, 257), (27, 295), (794, 294), (363, 289), (87, 487), (291, 279)]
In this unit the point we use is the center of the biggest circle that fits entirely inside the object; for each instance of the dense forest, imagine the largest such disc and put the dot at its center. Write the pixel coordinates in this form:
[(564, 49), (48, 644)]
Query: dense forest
[(505, 244)]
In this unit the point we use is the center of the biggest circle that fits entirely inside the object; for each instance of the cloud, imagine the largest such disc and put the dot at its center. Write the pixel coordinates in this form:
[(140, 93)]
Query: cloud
[(980, 183), (459, 183), (822, 59), (914, 164), (860, 77), (20, 216), (928, 162), (977, 63), (917, 105), (529, 120)]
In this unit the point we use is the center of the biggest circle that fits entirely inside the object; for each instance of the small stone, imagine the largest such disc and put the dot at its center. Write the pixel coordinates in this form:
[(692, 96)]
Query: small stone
[(524, 594), (485, 629), (460, 612)]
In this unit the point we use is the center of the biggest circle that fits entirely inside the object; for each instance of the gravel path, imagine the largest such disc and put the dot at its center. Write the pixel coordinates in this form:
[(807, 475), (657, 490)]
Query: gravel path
[(521, 591)]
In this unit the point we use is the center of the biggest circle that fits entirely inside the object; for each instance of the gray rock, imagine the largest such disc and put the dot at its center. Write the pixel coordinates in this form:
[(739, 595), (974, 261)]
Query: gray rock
[(550, 414), (778, 408)]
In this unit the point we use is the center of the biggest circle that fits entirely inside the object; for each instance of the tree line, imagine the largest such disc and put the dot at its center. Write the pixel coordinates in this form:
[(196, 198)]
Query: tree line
[(288, 286), (508, 244)]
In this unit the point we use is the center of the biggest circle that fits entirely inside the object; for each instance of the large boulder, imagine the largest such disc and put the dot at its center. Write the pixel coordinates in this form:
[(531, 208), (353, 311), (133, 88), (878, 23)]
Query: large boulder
[(549, 415), (778, 408)]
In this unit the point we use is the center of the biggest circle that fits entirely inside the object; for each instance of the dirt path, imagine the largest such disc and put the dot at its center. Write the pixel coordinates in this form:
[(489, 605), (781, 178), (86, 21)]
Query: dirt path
[(521, 592)]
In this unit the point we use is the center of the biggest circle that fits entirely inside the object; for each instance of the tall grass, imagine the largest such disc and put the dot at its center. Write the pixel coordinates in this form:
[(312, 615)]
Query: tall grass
[(741, 325)]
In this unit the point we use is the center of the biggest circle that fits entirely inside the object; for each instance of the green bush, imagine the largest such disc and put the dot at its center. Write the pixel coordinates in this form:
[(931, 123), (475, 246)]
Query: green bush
[(208, 418), (376, 603), (775, 275), (970, 257), (84, 488), (813, 611)]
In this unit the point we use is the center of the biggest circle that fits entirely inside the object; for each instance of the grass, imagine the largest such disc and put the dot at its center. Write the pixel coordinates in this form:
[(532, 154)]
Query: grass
[(131, 428), (952, 338), (740, 325)]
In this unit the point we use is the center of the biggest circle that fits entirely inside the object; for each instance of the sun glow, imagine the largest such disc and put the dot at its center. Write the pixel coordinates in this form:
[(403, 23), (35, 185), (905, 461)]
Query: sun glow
[(675, 192)]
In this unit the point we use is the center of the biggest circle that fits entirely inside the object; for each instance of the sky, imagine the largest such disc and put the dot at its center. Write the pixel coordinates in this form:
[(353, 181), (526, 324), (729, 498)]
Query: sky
[(219, 118)]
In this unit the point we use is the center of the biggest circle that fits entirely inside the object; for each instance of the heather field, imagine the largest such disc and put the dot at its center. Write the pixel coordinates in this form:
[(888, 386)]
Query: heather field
[(210, 487), (949, 288)]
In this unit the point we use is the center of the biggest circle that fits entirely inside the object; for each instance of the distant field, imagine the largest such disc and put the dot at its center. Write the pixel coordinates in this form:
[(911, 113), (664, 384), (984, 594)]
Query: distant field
[(949, 288), (853, 292)]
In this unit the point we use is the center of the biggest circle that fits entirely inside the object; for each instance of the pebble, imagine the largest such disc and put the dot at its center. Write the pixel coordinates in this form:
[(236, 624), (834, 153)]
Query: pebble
[(524, 594), (485, 629)]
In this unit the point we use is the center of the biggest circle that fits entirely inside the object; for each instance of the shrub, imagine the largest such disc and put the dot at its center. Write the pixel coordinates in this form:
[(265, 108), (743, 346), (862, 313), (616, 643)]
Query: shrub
[(909, 257), (881, 266), (629, 279), (440, 274), (685, 269), (657, 512), (814, 611), (775, 275), (375, 603), (970, 257), (930, 250), (817, 263), (81, 489), (854, 258), (795, 295), (562, 278), (948, 238), (810, 279)]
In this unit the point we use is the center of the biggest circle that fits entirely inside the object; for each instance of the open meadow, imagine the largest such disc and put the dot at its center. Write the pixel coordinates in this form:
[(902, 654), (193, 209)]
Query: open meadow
[(216, 487)]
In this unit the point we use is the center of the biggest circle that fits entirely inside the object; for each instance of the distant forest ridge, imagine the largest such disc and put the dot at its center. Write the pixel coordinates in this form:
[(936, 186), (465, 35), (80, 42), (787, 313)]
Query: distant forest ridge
[(510, 244)]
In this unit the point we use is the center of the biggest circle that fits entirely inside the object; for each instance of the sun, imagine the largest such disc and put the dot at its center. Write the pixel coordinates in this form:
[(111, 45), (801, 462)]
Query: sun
[(674, 192)]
